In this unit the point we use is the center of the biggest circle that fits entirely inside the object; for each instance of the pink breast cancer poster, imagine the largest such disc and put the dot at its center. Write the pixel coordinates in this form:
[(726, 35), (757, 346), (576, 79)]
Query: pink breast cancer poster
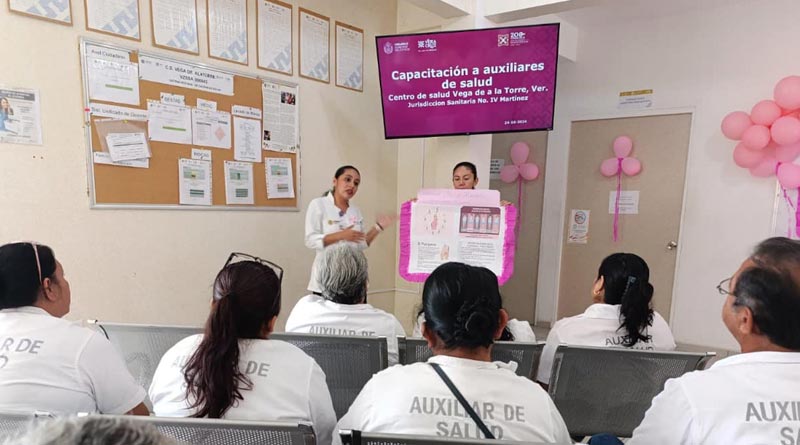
[(467, 226)]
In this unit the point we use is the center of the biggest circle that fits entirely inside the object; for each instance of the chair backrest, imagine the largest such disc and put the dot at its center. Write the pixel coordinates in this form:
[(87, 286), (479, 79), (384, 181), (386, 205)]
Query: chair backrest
[(348, 362), (608, 390), (413, 350), (189, 431), (231, 432), (14, 423), (354, 437), (142, 346)]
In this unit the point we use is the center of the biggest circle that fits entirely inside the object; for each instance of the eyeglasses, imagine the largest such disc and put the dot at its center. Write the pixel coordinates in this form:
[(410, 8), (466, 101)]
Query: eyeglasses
[(235, 257), (724, 287)]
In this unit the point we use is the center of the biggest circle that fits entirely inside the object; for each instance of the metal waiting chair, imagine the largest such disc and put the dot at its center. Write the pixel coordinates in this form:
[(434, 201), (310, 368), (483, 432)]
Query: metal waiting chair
[(413, 350), (608, 390), (188, 431), (13, 423), (348, 362), (231, 432), (142, 346), (354, 437)]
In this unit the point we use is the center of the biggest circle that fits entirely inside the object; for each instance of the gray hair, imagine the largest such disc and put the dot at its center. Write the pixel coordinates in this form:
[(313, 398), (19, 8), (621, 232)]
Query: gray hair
[(93, 430), (343, 273)]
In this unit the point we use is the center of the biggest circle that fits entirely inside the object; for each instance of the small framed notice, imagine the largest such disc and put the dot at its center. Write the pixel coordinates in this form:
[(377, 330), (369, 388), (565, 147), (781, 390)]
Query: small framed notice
[(114, 17), (175, 25), (315, 46), (274, 36), (227, 30), (54, 11), (349, 57)]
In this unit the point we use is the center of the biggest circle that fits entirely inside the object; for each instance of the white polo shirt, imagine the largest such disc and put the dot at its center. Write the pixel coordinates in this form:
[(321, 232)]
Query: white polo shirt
[(521, 330), (413, 399), (744, 399), (53, 365), (316, 315), (287, 385), (599, 326), (322, 218)]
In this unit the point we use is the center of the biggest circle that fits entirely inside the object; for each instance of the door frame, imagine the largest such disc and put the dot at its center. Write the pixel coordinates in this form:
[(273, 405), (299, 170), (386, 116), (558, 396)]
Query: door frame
[(692, 111)]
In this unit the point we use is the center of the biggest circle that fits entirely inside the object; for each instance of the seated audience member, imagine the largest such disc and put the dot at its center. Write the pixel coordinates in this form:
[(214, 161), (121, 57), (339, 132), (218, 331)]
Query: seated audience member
[(621, 315), (463, 317), (515, 330), (91, 431), (342, 309), (751, 397), (233, 370), (48, 363)]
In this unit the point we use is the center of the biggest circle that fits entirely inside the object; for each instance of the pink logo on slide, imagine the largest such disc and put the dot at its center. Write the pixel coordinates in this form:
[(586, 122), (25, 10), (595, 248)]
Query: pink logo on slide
[(388, 48)]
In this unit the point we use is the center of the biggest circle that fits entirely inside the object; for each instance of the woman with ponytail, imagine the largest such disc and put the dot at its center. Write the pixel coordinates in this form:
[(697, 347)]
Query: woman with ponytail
[(463, 317), (621, 314), (233, 370)]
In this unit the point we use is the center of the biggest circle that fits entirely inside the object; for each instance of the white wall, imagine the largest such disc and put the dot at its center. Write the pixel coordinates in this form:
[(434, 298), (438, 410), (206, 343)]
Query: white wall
[(158, 266), (718, 57)]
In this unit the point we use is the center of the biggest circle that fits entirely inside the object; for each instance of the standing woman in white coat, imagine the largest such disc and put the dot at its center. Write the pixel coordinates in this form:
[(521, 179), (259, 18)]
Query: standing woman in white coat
[(331, 218)]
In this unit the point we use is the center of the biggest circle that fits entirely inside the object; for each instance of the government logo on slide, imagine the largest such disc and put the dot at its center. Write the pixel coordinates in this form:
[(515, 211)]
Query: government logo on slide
[(502, 40), (388, 48)]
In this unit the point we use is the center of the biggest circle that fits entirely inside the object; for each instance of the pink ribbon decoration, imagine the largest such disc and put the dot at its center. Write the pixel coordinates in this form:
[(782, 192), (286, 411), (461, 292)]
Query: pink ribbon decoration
[(520, 170), (622, 163), (789, 178), (616, 201)]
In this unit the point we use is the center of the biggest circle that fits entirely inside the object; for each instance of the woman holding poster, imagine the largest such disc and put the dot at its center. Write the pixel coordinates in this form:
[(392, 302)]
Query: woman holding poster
[(331, 218), (465, 177)]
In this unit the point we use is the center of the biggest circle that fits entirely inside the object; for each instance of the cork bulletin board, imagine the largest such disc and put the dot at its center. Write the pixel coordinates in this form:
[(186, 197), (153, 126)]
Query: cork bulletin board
[(154, 182)]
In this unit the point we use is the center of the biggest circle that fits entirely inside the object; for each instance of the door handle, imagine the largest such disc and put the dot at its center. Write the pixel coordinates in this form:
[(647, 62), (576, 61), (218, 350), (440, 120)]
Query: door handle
[(672, 245)]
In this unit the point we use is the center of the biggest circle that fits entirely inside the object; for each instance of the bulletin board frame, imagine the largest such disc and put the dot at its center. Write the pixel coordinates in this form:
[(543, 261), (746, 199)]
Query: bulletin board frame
[(218, 155)]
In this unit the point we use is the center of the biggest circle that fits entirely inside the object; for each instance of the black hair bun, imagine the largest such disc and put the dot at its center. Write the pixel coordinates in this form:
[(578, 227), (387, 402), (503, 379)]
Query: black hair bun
[(478, 323)]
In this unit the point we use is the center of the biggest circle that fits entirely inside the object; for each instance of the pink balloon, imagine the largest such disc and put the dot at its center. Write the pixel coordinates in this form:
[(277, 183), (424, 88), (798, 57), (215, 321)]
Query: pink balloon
[(789, 176), (756, 137), (623, 146), (786, 130), (765, 112), (509, 173), (734, 125), (609, 167), (631, 166), (787, 93), (745, 157), (788, 153), (529, 171), (519, 153), (765, 168)]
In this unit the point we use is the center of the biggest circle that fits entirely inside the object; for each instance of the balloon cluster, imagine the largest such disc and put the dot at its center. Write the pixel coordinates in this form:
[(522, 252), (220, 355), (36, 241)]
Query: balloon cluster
[(623, 145), (520, 167), (769, 137), (519, 170), (616, 166)]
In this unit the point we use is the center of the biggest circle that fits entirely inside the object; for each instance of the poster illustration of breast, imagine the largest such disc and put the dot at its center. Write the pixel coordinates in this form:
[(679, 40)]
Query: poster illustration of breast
[(455, 225)]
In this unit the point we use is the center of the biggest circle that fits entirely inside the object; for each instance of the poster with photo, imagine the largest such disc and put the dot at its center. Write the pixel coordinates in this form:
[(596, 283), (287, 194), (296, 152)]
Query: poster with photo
[(20, 117), (280, 118), (451, 225)]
